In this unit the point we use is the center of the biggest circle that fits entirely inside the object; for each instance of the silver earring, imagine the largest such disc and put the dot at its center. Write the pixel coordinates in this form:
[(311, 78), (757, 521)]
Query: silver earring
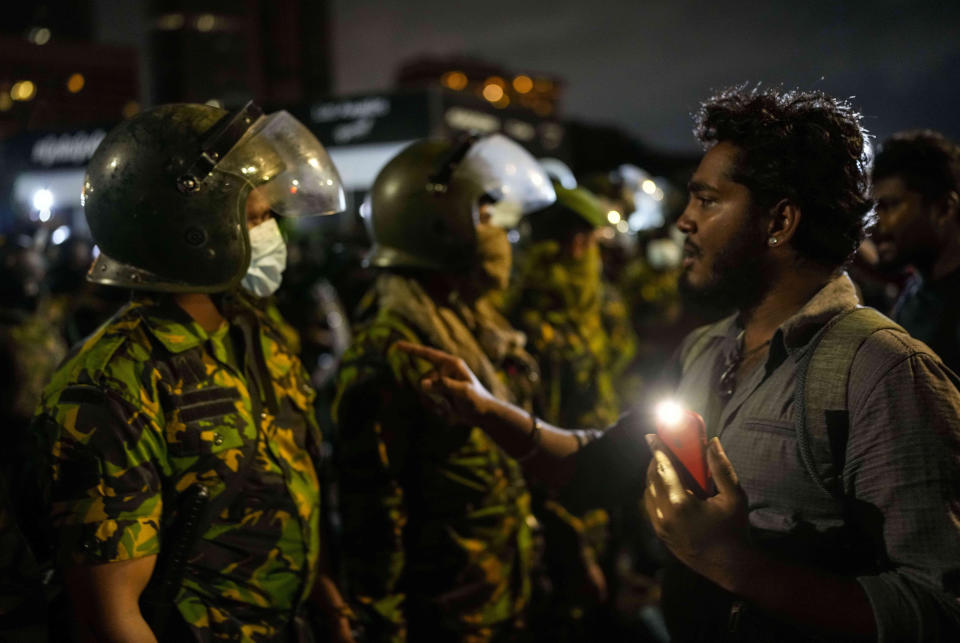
[(772, 241)]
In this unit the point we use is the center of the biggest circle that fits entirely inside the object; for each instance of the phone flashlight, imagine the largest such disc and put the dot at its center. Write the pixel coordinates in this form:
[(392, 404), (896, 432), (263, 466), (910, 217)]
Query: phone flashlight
[(684, 434)]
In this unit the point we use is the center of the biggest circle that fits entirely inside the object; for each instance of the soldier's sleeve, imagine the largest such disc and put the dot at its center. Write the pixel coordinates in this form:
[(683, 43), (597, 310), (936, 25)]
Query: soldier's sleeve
[(102, 481), (373, 410)]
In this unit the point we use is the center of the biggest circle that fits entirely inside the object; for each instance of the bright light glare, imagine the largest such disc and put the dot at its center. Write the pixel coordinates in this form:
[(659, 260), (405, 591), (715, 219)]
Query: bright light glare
[(523, 84), (669, 413), (60, 235), (23, 90), (454, 80), (43, 200), (649, 186), (75, 83), (492, 92), (613, 217)]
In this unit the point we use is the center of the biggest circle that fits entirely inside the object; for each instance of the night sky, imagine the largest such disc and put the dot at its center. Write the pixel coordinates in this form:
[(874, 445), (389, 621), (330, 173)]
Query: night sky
[(646, 65)]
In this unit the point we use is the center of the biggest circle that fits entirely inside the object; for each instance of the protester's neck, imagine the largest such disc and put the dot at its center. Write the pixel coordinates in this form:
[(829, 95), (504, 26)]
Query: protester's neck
[(201, 309), (788, 292)]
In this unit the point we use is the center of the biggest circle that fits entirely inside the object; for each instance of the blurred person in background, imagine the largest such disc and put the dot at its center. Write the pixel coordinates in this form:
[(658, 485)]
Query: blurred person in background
[(438, 534), (557, 299), (916, 184), (178, 443), (835, 436), (30, 350), (80, 305)]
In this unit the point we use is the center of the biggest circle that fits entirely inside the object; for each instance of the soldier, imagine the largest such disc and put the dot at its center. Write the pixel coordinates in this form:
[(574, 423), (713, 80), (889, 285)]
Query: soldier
[(437, 524), (179, 438), (558, 300)]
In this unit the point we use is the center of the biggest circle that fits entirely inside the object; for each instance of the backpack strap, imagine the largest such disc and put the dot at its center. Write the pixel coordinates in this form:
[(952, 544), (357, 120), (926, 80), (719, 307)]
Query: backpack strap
[(821, 394)]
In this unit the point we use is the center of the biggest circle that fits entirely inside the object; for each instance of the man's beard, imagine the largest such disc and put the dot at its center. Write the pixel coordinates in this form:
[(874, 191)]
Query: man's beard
[(739, 277)]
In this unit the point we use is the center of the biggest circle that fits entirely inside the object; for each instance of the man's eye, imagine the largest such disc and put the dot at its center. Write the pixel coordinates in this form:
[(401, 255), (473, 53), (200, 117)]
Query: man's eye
[(705, 201)]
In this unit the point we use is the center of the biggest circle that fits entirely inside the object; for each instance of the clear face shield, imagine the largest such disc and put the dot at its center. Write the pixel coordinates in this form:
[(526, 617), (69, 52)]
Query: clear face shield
[(287, 166), (510, 175)]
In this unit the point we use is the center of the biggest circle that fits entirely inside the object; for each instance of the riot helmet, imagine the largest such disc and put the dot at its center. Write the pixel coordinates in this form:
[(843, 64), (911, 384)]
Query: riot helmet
[(423, 208), (165, 193)]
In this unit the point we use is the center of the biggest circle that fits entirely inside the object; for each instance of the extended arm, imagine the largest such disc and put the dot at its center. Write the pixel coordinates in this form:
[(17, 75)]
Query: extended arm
[(453, 390)]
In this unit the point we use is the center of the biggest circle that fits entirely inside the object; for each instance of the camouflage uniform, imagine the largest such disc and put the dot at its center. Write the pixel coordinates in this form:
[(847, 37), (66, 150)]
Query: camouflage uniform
[(30, 349), (562, 313), (150, 405), (567, 313), (437, 523)]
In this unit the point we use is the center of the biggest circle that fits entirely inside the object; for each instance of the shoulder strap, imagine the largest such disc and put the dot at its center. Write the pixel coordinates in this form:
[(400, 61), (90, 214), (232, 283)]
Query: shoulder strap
[(820, 399)]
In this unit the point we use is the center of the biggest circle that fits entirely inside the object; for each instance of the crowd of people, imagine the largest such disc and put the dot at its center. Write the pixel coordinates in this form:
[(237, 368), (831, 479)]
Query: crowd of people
[(452, 445)]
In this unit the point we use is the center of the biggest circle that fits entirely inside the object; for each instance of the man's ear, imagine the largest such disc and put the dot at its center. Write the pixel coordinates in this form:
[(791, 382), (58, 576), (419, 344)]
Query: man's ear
[(946, 211), (784, 218)]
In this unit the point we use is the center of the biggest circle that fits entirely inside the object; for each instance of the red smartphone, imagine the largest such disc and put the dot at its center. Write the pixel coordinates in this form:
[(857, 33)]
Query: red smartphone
[(684, 434)]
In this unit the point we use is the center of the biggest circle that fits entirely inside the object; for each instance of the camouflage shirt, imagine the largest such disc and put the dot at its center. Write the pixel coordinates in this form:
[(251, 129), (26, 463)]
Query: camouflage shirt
[(560, 306), (437, 525), (31, 347), (151, 404)]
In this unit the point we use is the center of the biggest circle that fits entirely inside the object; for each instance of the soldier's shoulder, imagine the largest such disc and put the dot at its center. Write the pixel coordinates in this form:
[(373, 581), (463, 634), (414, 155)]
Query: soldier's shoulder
[(373, 357), (112, 354), (376, 337)]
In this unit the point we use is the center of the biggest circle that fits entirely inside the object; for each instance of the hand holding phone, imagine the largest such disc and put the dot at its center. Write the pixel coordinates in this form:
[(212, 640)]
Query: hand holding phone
[(684, 434)]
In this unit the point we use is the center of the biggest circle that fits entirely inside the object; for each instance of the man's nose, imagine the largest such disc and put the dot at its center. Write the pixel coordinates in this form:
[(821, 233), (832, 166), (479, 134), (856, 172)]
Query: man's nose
[(685, 223)]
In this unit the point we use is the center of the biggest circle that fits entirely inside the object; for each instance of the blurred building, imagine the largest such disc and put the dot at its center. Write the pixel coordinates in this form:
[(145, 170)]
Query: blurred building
[(227, 52), (59, 93), (502, 88), (53, 77), (64, 80)]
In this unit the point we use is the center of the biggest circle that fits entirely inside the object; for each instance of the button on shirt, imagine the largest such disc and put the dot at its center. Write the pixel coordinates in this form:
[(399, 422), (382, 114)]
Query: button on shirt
[(901, 462)]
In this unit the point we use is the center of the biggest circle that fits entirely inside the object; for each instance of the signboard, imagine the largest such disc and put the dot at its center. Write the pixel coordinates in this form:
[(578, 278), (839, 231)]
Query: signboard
[(374, 118), (51, 150), (411, 114)]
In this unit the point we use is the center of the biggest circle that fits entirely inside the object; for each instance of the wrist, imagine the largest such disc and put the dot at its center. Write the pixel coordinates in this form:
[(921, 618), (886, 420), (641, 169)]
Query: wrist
[(736, 567), (487, 409)]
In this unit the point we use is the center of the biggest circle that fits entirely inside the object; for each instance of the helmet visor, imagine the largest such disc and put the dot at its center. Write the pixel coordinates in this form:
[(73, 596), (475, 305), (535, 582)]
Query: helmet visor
[(510, 175), (289, 167)]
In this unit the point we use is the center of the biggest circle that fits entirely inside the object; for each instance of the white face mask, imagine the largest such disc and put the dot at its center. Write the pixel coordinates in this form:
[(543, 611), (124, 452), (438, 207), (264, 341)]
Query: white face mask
[(268, 258)]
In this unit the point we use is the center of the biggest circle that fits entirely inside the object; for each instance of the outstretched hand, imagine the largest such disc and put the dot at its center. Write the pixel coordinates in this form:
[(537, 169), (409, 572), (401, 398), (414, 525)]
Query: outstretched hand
[(451, 386), (706, 535)]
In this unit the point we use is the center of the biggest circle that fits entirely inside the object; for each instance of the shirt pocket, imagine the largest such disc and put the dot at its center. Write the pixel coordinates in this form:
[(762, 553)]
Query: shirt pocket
[(783, 428), (206, 420)]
